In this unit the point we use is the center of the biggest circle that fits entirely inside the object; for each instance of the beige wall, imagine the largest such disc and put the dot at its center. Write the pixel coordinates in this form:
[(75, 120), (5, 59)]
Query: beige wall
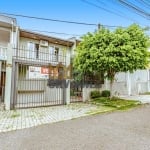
[(44, 52), (4, 37)]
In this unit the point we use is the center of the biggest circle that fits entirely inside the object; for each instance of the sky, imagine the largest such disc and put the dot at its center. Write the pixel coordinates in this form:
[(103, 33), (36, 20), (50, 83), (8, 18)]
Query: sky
[(72, 10)]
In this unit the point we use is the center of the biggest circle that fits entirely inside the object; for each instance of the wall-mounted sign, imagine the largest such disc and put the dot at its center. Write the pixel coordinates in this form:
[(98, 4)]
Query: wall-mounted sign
[(38, 72)]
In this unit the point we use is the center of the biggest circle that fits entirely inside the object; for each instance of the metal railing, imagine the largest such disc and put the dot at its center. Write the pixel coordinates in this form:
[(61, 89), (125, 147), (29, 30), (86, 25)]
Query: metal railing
[(40, 55)]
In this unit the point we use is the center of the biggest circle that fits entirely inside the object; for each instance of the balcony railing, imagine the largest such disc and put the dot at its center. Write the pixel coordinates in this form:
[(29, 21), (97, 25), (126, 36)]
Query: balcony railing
[(3, 53), (41, 55)]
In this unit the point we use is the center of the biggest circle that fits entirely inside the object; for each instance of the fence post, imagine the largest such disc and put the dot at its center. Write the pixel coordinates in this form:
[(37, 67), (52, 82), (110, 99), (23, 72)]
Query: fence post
[(85, 94), (8, 77), (148, 80), (128, 83), (67, 91)]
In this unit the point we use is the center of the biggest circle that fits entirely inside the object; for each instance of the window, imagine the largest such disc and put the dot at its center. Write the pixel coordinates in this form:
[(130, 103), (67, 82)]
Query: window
[(53, 54), (33, 50), (37, 50), (56, 52)]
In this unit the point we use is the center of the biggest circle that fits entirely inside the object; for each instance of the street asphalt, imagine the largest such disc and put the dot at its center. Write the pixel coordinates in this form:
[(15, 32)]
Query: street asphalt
[(122, 130)]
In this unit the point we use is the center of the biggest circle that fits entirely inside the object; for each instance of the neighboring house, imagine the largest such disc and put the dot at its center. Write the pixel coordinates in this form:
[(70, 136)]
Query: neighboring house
[(33, 67), (8, 35), (134, 83)]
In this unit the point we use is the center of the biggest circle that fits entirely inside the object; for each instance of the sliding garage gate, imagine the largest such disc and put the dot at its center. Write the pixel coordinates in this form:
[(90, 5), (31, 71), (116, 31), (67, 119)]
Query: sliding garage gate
[(35, 86)]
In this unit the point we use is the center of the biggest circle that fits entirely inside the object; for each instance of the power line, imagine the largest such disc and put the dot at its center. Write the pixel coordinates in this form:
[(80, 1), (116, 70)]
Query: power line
[(139, 9), (57, 20), (136, 9), (48, 19), (118, 11), (62, 33), (118, 2), (146, 2), (51, 32), (107, 10)]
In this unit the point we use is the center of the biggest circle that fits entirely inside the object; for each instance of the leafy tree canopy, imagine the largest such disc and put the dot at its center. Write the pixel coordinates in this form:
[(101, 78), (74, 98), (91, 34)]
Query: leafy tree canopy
[(121, 50)]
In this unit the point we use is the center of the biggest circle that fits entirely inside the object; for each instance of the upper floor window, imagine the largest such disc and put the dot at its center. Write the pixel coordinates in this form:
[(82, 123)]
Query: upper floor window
[(54, 53), (33, 50)]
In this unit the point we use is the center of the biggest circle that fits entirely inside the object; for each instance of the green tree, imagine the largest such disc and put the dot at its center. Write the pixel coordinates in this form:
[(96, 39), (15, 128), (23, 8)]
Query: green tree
[(110, 52)]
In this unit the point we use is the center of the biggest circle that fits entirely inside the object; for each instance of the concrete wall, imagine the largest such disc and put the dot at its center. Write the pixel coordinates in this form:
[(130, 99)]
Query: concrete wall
[(119, 88), (87, 91), (120, 84), (139, 82)]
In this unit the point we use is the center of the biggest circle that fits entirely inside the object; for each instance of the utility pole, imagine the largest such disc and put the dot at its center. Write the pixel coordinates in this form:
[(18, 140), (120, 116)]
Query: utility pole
[(99, 26)]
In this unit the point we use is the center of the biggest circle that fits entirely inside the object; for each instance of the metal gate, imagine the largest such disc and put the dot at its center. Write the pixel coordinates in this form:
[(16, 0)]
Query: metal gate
[(76, 89), (36, 86), (38, 81), (87, 81)]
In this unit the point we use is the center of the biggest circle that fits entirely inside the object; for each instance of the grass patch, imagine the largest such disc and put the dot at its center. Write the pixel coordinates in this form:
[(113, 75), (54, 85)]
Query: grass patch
[(14, 115), (117, 103), (101, 109), (146, 93)]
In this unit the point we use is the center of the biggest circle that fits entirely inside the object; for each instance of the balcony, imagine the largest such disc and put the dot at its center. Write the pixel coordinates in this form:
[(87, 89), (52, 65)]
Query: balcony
[(39, 56)]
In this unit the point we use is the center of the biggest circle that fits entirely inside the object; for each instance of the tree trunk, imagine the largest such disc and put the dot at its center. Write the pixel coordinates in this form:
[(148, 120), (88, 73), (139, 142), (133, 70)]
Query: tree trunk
[(111, 88)]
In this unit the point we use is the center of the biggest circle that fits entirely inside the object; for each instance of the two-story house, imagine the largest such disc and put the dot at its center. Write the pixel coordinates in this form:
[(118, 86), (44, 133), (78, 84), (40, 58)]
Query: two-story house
[(33, 67)]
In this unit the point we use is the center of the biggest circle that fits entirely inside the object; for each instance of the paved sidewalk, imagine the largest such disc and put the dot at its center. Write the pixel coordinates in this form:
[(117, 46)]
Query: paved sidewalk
[(25, 118), (127, 130), (142, 98)]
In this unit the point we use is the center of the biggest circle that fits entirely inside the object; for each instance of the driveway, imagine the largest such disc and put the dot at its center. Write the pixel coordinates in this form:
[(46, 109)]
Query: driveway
[(26, 118), (129, 130)]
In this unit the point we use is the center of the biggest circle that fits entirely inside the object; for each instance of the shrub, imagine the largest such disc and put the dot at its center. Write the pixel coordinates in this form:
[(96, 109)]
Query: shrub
[(105, 93), (95, 94)]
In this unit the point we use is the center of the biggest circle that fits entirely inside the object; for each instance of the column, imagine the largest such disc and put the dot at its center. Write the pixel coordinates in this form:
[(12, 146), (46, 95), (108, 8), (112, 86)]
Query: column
[(8, 77), (128, 83), (67, 91), (67, 86), (148, 80), (85, 93)]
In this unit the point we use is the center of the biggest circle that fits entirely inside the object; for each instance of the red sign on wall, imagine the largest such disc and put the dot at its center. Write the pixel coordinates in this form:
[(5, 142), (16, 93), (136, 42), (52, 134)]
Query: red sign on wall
[(44, 70)]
